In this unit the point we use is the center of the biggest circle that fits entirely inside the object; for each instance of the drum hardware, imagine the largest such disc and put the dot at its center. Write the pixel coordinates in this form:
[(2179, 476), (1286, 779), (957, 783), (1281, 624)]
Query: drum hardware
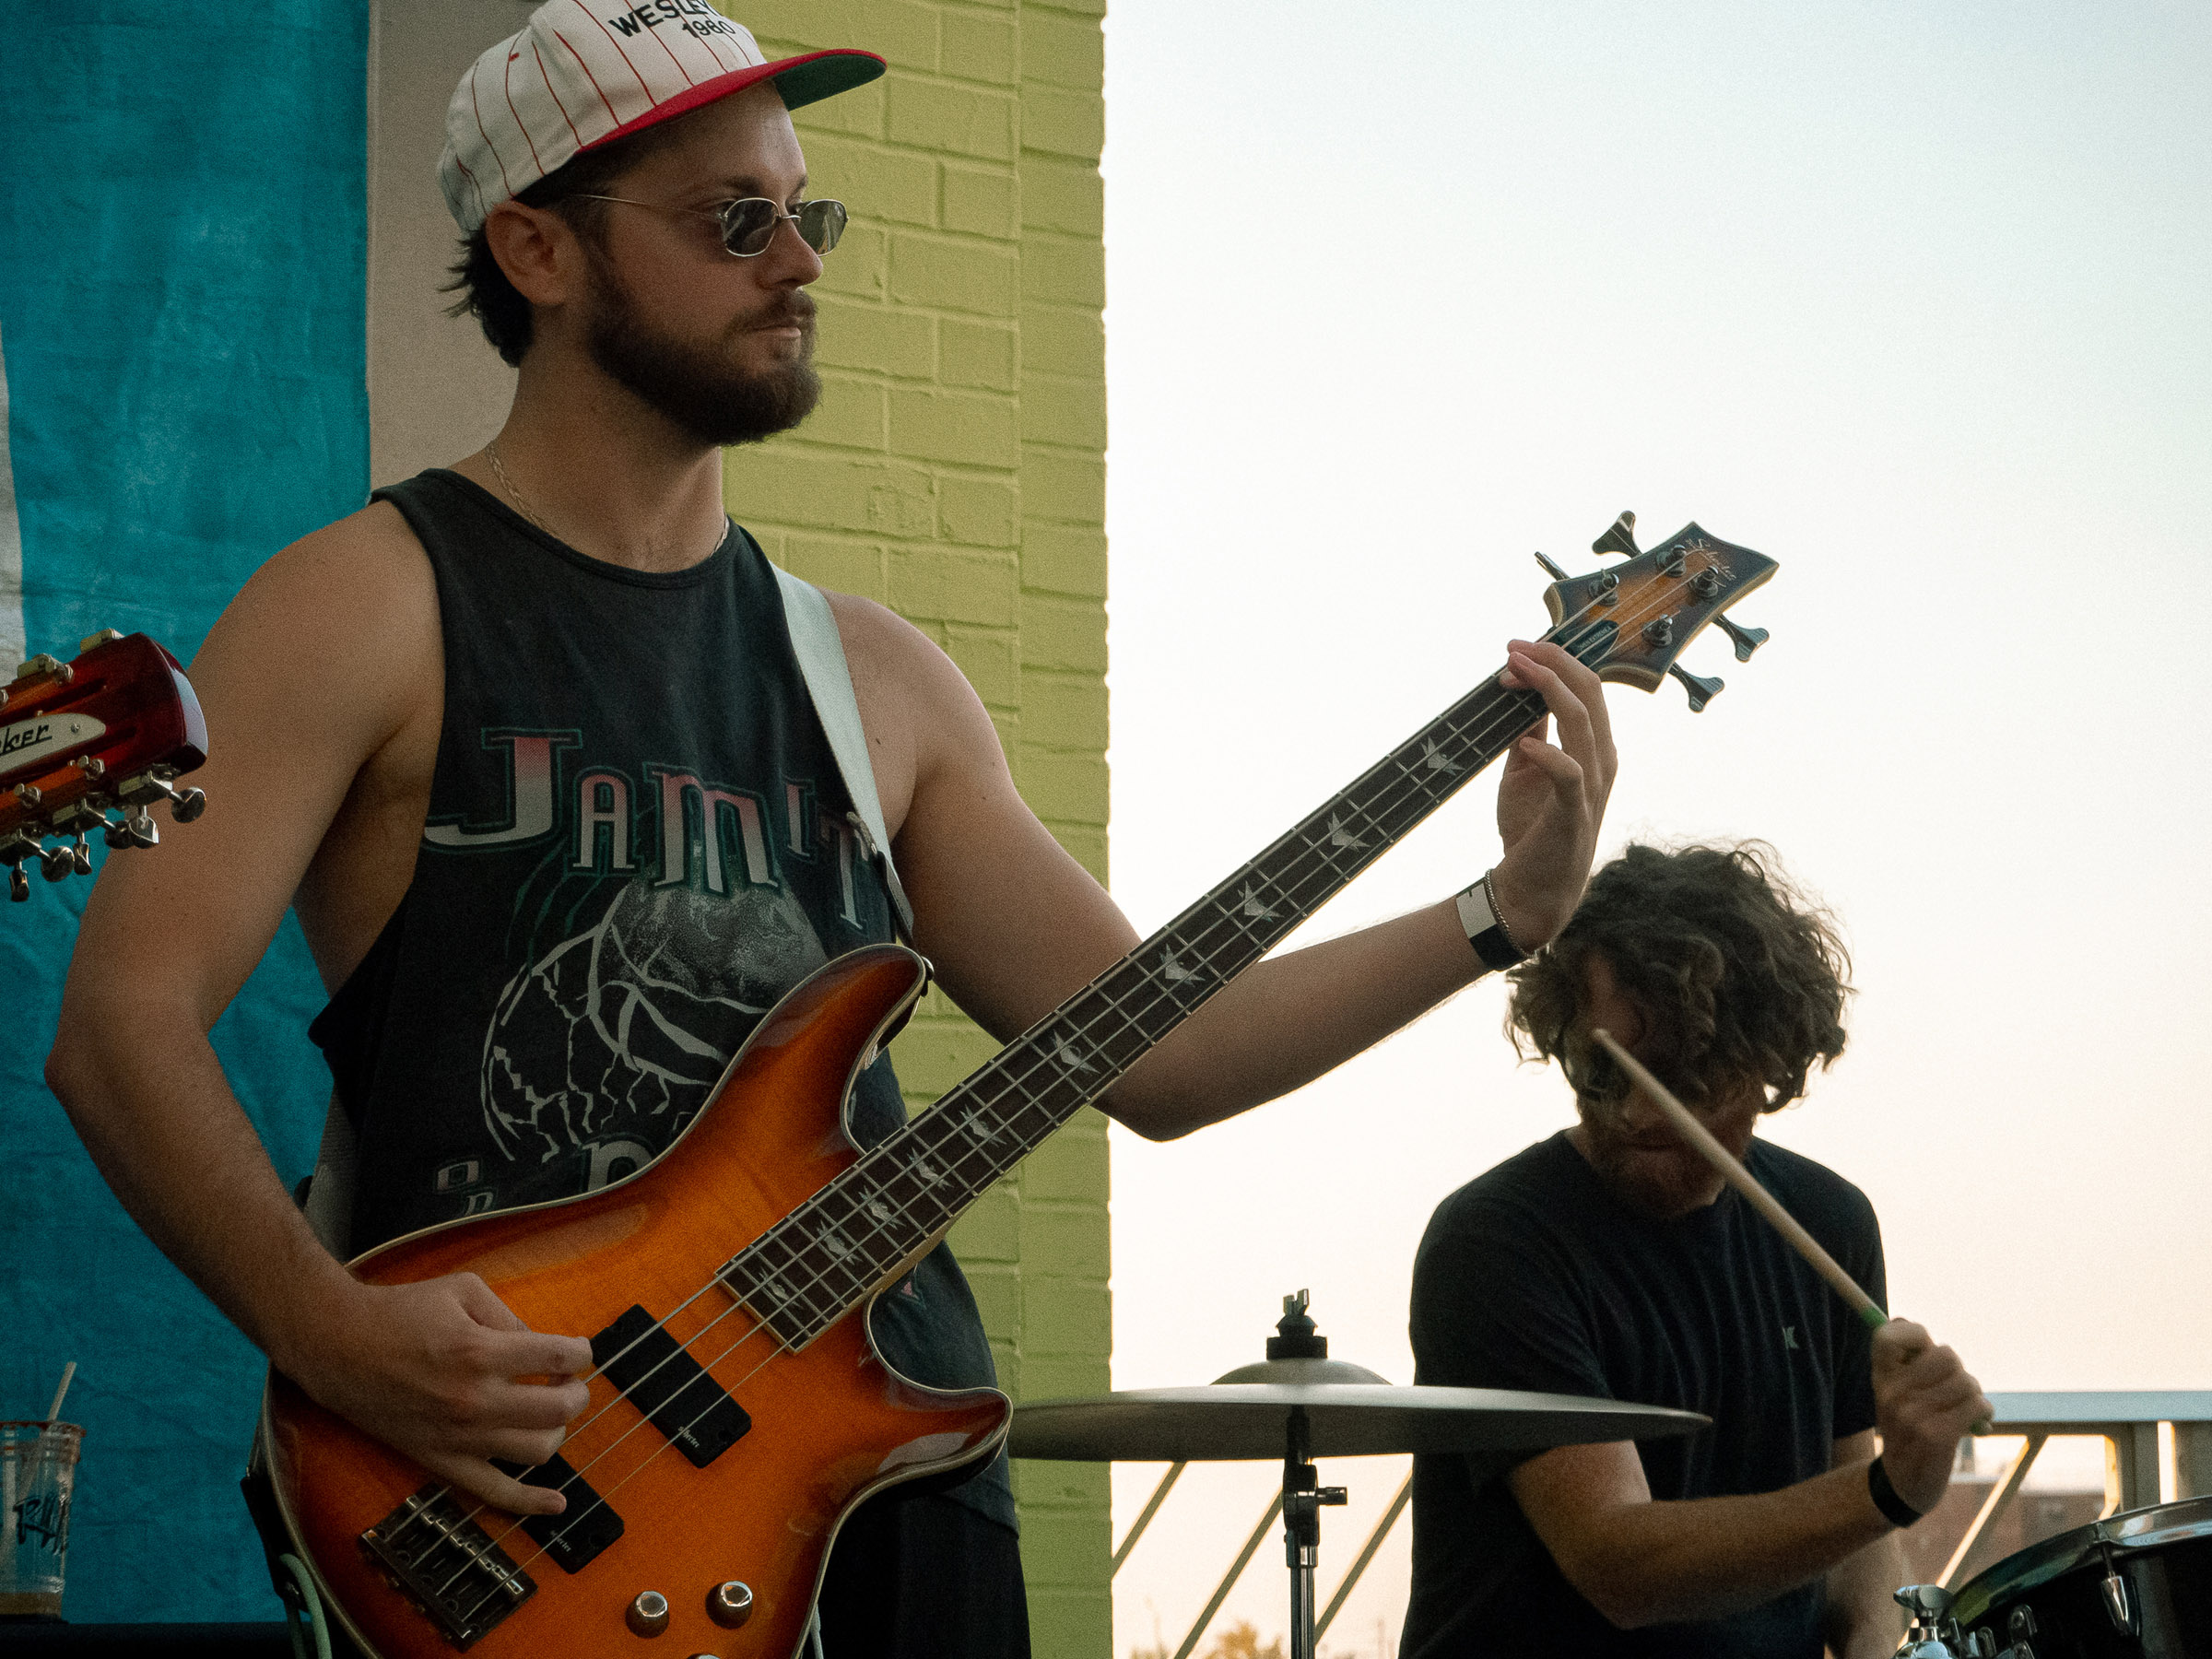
[(2119, 1600), (1298, 1404), (1933, 1632), (2135, 1585)]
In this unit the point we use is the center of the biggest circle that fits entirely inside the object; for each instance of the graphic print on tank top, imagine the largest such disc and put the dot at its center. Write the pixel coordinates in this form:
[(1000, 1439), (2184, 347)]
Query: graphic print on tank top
[(638, 841), (609, 1038)]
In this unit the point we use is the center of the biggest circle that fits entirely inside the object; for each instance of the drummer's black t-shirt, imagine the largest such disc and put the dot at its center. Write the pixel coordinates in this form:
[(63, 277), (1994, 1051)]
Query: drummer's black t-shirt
[(1535, 1276)]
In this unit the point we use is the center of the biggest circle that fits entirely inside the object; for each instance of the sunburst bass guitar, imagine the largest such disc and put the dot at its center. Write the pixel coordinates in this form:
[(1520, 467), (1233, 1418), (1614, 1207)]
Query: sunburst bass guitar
[(739, 1410)]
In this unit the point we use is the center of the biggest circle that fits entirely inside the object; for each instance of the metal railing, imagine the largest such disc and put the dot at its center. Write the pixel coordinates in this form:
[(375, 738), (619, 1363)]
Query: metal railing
[(2126, 1420), (1252, 1545)]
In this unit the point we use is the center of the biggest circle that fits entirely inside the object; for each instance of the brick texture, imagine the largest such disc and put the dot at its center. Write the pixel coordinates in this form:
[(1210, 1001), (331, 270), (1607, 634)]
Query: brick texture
[(955, 472)]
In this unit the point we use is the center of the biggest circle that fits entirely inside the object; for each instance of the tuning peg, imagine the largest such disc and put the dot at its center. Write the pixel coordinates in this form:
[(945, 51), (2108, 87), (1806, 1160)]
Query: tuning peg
[(1701, 691), (14, 850), (43, 666), (80, 855), (1620, 537), (154, 785), (99, 637), (1748, 639), (56, 863), (135, 828), (1550, 568)]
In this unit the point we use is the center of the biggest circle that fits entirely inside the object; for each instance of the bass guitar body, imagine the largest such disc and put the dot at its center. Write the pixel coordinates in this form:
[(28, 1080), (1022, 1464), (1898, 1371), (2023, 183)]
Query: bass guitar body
[(717, 1460)]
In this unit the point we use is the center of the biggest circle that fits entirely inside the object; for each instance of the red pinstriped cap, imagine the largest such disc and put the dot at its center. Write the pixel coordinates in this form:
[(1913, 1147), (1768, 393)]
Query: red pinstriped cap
[(580, 73)]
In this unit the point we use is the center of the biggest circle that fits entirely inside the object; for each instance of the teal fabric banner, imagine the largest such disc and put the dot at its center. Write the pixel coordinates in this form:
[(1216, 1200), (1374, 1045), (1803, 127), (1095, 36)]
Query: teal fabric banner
[(183, 250)]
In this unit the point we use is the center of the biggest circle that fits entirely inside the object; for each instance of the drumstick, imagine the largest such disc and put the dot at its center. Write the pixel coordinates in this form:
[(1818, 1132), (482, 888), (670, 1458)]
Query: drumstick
[(1725, 1162)]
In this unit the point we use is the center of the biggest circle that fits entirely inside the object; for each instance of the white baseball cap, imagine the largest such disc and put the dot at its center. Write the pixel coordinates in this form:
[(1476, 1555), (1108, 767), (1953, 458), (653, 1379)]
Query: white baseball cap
[(579, 74)]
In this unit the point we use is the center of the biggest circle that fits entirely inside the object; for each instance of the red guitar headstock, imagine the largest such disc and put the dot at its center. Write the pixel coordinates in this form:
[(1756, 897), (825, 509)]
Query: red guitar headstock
[(110, 731)]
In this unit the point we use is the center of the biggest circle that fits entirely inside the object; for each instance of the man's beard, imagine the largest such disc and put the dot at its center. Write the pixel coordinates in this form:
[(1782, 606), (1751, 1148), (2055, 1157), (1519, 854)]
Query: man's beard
[(711, 401)]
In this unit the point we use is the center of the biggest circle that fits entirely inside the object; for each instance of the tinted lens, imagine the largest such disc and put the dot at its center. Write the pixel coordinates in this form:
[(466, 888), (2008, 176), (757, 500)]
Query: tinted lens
[(748, 226), (821, 223)]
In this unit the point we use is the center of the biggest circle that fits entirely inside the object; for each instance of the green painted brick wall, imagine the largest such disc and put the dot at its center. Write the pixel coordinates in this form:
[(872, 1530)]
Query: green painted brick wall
[(956, 471)]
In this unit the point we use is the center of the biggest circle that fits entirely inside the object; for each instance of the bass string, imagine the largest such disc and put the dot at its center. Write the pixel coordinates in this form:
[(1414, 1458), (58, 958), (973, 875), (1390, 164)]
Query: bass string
[(1333, 878)]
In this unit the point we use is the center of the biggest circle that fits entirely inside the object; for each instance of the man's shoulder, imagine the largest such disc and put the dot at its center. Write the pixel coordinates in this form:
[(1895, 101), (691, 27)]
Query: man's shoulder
[(1530, 1183), (371, 544), (1809, 1190)]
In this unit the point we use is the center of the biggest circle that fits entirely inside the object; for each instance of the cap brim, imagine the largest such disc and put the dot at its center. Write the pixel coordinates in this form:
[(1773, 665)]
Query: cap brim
[(805, 80)]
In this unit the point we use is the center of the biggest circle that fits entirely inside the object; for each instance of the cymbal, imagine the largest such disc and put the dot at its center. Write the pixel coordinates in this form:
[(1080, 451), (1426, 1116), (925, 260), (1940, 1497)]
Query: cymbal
[(1229, 1422)]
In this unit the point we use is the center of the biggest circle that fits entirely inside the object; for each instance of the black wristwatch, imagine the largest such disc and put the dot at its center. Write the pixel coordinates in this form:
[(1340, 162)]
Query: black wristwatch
[(1485, 928), (1894, 1508)]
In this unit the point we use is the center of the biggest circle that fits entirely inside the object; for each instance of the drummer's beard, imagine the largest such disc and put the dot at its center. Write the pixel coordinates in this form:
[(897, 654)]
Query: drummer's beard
[(1642, 1161)]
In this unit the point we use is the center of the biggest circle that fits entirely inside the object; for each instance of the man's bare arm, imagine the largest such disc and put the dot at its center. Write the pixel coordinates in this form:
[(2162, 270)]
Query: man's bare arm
[(1643, 1562), (1015, 926), (312, 673), (1862, 1619)]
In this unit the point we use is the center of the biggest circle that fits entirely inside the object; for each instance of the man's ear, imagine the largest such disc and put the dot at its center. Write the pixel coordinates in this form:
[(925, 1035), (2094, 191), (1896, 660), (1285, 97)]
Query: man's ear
[(538, 249)]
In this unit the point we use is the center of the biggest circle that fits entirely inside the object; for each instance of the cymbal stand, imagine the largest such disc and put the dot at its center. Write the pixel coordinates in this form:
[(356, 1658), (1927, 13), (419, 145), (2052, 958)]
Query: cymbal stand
[(1303, 1499)]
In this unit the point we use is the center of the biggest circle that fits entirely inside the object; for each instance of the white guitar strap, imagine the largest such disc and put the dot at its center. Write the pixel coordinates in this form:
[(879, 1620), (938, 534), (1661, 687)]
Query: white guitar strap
[(830, 682), (821, 656)]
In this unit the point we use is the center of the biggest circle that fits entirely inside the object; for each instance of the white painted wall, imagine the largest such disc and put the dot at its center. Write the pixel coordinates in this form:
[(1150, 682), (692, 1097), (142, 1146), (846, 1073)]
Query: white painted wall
[(436, 390)]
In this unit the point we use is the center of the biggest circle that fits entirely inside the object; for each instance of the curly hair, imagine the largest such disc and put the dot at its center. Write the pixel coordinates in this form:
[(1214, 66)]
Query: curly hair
[(498, 305), (1741, 975)]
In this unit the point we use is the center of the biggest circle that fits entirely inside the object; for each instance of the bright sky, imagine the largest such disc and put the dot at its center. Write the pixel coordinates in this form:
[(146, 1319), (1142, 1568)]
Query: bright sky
[(1911, 299)]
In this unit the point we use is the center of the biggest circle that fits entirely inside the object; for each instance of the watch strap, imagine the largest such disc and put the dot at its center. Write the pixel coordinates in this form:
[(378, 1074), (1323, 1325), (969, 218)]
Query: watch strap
[(1894, 1509), (1486, 933)]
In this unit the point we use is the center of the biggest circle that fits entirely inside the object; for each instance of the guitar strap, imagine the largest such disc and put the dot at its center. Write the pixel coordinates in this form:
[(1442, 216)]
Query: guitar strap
[(830, 682), (821, 659)]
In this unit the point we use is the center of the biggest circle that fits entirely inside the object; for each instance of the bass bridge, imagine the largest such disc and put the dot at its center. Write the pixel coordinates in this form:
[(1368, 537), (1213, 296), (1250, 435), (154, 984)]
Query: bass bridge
[(445, 1563)]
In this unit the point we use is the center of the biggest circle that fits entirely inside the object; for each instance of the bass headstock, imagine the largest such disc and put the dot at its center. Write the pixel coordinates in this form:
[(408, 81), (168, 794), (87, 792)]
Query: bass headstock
[(1631, 622), (109, 731)]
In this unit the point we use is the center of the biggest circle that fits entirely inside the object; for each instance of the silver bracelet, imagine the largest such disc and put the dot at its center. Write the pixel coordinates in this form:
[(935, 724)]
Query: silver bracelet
[(1489, 887)]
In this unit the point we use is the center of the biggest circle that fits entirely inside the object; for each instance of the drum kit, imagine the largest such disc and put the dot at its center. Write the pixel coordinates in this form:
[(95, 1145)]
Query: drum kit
[(2135, 1585)]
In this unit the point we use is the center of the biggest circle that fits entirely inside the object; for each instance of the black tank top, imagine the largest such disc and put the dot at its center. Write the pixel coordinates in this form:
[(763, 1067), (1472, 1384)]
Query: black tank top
[(636, 841)]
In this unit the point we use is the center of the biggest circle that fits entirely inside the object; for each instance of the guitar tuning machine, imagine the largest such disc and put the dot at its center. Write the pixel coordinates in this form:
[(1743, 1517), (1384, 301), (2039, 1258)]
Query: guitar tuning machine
[(42, 666), (1701, 691), (157, 785), (1620, 537), (15, 852), (1746, 639)]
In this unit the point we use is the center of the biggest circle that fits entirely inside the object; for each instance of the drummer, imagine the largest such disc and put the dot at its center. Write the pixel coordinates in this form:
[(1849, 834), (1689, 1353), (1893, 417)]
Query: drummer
[(1610, 1260)]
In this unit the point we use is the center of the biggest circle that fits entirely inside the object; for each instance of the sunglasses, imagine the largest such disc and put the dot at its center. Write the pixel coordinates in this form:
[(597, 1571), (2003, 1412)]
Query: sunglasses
[(748, 224)]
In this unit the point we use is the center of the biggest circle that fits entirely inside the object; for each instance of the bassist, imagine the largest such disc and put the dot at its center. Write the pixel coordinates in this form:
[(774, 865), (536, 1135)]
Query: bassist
[(524, 746)]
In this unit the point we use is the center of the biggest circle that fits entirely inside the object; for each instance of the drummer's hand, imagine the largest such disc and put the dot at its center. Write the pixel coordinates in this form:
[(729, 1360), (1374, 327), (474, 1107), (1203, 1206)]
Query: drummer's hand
[(1926, 1402)]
